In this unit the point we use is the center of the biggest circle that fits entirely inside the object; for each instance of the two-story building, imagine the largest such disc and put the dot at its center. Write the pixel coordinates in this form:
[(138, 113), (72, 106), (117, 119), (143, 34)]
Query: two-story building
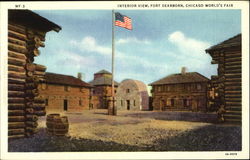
[(182, 91), (64, 93), (102, 89)]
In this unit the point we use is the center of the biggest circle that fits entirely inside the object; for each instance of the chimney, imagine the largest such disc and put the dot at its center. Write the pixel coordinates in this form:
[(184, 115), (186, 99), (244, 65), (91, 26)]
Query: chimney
[(183, 70), (79, 75)]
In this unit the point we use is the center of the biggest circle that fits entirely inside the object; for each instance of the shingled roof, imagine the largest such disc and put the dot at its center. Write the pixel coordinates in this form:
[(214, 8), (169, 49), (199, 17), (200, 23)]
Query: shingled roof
[(189, 77), (54, 78), (31, 19), (231, 42), (102, 81)]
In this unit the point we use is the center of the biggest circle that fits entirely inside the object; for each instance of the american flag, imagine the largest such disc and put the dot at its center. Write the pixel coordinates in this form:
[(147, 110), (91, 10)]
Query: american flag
[(123, 21)]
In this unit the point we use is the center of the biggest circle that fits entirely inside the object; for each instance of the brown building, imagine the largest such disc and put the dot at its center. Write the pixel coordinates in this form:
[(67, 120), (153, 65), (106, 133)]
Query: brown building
[(225, 88), (132, 95), (26, 33), (65, 93), (102, 89), (183, 91)]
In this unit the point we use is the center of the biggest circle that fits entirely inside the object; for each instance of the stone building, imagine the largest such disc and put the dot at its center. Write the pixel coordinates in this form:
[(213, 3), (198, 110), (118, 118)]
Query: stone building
[(102, 89), (64, 93), (132, 95), (185, 91), (226, 86)]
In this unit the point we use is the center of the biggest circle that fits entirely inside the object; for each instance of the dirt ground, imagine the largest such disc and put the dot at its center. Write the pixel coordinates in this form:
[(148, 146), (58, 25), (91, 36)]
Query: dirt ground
[(94, 130)]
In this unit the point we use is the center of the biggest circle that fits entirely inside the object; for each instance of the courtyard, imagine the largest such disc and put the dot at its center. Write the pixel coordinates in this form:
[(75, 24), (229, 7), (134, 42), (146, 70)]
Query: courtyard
[(94, 130)]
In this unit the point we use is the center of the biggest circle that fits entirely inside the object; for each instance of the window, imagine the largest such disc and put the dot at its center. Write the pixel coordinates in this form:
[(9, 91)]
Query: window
[(46, 102), (159, 88), (127, 90), (121, 103), (66, 88), (198, 86), (134, 102)]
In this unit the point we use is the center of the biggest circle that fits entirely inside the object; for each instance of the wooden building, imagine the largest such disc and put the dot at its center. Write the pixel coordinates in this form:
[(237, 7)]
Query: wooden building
[(132, 95), (225, 87), (185, 91), (102, 89), (64, 93), (26, 33)]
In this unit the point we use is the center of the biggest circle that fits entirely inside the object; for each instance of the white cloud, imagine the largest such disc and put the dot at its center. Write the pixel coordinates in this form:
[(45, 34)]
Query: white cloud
[(132, 40), (187, 45), (89, 43)]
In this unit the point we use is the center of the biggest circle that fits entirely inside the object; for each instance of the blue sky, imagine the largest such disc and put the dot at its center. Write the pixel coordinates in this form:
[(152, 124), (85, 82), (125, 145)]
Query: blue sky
[(161, 42)]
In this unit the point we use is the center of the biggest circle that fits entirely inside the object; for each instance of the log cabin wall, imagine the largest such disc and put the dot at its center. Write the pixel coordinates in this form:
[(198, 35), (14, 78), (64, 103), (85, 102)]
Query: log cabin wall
[(227, 84), (24, 102)]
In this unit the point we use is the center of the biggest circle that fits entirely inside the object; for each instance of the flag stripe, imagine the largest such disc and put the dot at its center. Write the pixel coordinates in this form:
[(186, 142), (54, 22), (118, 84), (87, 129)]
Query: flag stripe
[(126, 22)]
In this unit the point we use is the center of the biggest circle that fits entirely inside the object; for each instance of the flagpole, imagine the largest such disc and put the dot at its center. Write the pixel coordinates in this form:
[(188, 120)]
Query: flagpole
[(113, 59)]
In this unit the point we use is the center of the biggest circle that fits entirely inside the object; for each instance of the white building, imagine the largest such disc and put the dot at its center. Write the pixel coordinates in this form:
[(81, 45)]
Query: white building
[(132, 95)]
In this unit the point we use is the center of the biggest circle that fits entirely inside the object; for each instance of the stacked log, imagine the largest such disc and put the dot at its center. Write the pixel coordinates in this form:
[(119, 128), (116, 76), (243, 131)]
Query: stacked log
[(16, 80), (233, 85), (228, 82), (24, 103)]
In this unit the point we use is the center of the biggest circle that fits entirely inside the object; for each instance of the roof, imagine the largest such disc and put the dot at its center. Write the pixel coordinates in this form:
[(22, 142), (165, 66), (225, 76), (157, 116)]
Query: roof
[(103, 81), (54, 78), (139, 84), (33, 20), (231, 42), (103, 72), (189, 77)]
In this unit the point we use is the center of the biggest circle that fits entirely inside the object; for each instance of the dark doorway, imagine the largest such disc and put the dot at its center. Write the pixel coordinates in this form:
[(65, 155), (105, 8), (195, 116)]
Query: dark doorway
[(172, 102), (65, 105), (128, 105), (185, 103)]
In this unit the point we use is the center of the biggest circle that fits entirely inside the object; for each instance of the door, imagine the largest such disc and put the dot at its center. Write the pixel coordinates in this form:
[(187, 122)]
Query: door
[(65, 105), (128, 105)]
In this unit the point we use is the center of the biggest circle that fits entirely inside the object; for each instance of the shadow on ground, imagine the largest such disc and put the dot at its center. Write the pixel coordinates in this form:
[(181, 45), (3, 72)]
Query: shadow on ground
[(177, 116), (208, 138)]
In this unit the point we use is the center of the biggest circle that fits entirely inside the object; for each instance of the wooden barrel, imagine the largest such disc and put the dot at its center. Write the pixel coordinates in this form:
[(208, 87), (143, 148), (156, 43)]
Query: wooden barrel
[(61, 127), (57, 125), (50, 122)]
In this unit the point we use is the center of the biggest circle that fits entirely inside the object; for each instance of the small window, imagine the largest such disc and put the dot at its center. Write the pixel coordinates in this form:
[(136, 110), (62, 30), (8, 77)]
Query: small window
[(121, 103), (46, 102), (198, 86), (134, 102), (66, 88), (127, 90)]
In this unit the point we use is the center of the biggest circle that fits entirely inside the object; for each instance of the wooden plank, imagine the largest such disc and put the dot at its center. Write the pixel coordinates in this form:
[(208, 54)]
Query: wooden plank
[(16, 125), (16, 106), (16, 100), (15, 61), (233, 103), (232, 67), (17, 48), (17, 35), (17, 55), (16, 68), (16, 118), (16, 132), (236, 63), (17, 28), (16, 94), (16, 41), (234, 75), (19, 75), (16, 81), (15, 112), (233, 59), (15, 87), (233, 88)]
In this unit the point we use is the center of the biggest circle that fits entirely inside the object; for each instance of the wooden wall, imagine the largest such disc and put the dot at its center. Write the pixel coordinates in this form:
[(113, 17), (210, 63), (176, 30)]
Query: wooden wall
[(24, 102)]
